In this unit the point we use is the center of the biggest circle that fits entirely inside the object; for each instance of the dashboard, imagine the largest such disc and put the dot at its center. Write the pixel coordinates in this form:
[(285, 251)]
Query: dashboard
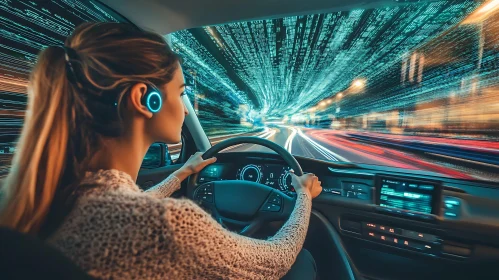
[(398, 219), (276, 176)]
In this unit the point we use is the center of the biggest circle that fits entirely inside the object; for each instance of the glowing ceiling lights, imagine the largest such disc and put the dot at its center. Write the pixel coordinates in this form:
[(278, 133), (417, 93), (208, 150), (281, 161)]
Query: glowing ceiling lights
[(359, 83)]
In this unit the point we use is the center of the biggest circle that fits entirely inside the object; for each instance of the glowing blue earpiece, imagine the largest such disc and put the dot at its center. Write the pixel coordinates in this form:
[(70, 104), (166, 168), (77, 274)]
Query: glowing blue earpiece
[(152, 99)]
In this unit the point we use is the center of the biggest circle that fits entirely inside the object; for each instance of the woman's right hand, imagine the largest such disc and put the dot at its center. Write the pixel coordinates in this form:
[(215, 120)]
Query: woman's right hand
[(307, 183)]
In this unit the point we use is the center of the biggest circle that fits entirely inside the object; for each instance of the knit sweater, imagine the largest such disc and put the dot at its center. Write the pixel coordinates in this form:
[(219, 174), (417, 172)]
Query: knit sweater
[(117, 231)]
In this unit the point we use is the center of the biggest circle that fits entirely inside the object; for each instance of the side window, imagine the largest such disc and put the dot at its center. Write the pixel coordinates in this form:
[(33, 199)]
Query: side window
[(174, 151), (160, 154), (26, 28), (153, 158)]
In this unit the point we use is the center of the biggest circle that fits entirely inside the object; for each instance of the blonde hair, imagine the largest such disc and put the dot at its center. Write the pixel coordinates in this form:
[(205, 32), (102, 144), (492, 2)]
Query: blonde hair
[(67, 116)]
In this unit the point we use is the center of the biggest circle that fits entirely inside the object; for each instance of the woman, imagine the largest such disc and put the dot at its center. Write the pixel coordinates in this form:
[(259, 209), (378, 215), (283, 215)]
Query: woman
[(93, 112)]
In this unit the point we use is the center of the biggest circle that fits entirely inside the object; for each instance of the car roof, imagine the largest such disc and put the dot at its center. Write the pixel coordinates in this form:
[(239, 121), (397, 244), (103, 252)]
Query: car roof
[(166, 16)]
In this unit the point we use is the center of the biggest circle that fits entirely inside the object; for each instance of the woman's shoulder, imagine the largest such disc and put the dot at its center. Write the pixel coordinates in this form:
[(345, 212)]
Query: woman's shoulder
[(111, 195), (116, 199), (116, 186), (127, 200)]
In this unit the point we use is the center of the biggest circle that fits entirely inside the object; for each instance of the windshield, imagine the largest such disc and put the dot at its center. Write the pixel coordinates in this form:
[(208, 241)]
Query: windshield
[(414, 86)]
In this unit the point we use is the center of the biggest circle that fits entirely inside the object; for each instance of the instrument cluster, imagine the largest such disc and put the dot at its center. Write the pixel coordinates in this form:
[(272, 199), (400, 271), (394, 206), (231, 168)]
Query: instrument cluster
[(273, 175)]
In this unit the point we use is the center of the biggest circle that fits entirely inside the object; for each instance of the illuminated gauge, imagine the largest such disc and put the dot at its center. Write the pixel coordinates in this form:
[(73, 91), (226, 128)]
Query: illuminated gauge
[(250, 173), (285, 180)]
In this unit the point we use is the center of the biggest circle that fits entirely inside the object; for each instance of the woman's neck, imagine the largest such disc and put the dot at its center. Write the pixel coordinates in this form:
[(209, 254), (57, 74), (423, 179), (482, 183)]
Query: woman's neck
[(123, 154)]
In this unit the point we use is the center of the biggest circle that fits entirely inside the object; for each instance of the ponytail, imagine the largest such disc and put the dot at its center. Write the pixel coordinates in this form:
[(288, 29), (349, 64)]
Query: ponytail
[(40, 158)]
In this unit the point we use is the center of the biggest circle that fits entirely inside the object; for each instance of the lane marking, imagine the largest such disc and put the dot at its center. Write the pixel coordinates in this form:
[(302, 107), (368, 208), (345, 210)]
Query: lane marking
[(289, 142)]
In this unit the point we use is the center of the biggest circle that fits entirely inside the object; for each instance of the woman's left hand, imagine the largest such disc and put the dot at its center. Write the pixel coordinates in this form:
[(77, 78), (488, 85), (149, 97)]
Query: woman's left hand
[(196, 163)]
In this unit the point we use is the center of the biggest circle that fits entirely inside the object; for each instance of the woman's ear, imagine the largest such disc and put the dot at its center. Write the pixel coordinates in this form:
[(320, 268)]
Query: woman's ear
[(134, 100)]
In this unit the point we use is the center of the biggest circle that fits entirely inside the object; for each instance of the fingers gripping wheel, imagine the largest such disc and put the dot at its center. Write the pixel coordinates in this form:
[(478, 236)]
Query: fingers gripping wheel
[(152, 99)]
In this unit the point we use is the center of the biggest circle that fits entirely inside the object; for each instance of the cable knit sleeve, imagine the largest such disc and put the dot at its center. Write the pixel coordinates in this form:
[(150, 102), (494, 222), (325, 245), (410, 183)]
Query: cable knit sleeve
[(115, 231), (165, 188), (206, 248)]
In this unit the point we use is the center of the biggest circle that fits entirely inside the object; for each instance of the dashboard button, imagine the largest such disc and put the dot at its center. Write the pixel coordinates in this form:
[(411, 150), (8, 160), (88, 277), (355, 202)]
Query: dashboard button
[(396, 241), (394, 230), (390, 230), (405, 243), (270, 207), (205, 193), (370, 225), (428, 247), (420, 235), (372, 234), (206, 190), (275, 200), (390, 240), (207, 198)]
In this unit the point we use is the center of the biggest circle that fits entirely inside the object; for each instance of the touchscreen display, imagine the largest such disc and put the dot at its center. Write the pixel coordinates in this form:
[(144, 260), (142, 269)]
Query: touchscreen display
[(407, 195)]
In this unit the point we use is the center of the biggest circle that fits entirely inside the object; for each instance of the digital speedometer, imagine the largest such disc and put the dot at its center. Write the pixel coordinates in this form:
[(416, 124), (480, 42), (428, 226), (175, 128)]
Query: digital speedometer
[(250, 172), (285, 180)]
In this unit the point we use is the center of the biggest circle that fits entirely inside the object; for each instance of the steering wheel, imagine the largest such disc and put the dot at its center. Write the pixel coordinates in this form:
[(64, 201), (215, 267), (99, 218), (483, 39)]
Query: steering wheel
[(244, 205)]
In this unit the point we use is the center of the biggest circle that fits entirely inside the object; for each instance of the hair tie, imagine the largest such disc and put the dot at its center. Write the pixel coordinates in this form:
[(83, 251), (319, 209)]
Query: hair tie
[(70, 54)]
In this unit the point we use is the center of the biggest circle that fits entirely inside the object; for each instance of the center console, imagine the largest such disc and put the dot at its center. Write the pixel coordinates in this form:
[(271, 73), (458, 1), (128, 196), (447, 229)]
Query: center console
[(409, 199)]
